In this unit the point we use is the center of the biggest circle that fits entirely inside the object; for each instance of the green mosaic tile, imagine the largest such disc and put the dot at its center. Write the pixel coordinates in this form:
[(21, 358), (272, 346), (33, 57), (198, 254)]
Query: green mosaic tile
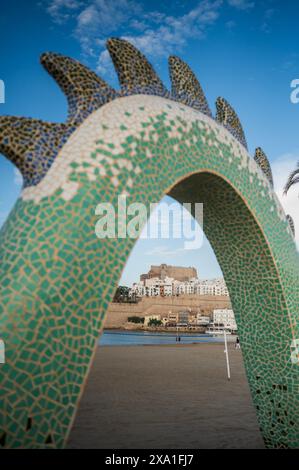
[(57, 278)]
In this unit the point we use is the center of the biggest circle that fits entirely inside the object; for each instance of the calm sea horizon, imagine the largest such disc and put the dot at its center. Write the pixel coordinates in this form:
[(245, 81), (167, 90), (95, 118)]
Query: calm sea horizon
[(140, 338)]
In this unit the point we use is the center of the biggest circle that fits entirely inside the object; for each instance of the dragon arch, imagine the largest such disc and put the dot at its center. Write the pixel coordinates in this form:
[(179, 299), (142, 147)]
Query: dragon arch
[(57, 278)]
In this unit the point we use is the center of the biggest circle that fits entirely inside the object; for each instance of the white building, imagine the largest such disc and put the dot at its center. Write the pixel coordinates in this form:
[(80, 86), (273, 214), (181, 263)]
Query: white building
[(212, 287), (169, 286), (202, 320), (138, 289), (225, 317)]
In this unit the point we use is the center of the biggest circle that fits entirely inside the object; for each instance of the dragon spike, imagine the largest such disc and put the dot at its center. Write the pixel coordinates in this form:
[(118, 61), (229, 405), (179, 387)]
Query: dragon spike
[(292, 179), (31, 145), (84, 90), (185, 86), (261, 159), (291, 224), (136, 75), (228, 117)]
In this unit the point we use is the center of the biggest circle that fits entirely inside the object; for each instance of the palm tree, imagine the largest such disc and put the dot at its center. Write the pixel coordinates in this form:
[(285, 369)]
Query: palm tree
[(293, 179)]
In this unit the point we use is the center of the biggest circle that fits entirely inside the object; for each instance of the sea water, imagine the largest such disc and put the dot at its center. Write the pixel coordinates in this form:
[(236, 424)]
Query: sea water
[(130, 338)]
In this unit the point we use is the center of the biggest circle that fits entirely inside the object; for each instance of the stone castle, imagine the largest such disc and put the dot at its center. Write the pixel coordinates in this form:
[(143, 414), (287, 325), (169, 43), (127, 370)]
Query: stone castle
[(176, 272)]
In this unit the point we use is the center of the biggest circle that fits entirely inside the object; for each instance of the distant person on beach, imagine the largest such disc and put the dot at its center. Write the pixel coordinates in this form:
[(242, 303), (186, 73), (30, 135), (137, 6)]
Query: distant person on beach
[(237, 344)]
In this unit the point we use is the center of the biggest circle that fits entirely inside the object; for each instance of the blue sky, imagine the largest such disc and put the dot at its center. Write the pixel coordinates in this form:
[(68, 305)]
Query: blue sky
[(244, 50)]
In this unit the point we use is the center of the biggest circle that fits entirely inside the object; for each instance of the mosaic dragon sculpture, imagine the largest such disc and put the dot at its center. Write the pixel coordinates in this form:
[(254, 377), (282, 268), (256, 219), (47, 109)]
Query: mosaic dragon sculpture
[(57, 277)]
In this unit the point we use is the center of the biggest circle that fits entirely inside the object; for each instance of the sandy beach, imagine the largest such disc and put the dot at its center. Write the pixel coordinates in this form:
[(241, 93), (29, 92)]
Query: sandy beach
[(166, 397)]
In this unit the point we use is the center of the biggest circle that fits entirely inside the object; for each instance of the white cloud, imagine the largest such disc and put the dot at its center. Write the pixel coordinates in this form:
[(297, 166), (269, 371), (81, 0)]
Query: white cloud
[(230, 25), (268, 15), (155, 33), (102, 18), (241, 4), (162, 35), (104, 63), (173, 32), (105, 16), (282, 167), (60, 9), (18, 178)]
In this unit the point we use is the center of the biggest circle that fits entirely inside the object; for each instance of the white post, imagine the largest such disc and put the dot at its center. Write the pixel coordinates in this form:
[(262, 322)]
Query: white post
[(2, 92), (2, 352), (226, 354)]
